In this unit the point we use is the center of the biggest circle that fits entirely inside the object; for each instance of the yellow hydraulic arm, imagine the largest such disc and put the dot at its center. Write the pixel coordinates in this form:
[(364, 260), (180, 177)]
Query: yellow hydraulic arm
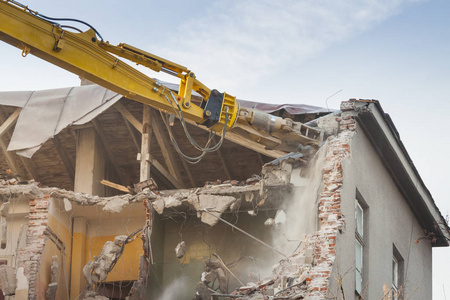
[(89, 56)]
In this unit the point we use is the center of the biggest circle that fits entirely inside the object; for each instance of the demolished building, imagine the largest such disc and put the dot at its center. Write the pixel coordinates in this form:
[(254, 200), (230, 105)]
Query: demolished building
[(81, 218)]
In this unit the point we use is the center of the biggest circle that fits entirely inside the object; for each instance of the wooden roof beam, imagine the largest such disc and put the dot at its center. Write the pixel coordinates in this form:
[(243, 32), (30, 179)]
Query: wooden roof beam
[(12, 119), (223, 160), (4, 130), (247, 143), (28, 165), (153, 163), (164, 145), (133, 134), (185, 164), (64, 158), (128, 116), (8, 156), (188, 172), (107, 149), (144, 156), (165, 173)]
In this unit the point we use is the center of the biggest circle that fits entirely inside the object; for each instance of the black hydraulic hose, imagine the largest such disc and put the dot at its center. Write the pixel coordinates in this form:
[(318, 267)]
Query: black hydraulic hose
[(70, 20), (50, 19), (72, 27)]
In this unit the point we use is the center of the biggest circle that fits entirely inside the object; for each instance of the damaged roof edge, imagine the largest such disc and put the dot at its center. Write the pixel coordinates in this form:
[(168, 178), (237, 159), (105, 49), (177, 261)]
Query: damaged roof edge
[(382, 133)]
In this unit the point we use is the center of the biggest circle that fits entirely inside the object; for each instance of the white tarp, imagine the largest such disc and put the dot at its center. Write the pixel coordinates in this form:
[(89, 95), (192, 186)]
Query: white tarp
[(45, 113)]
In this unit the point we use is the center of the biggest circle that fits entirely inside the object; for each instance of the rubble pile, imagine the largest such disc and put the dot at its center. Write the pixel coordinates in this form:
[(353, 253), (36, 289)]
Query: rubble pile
[(288, 280), (9, 178)]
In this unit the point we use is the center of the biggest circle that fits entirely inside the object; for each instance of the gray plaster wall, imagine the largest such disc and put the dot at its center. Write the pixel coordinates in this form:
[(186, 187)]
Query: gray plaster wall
[(389, 223)]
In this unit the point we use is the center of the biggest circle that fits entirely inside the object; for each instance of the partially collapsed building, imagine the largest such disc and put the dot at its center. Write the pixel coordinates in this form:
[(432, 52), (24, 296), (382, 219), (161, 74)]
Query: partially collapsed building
[(82, 219)]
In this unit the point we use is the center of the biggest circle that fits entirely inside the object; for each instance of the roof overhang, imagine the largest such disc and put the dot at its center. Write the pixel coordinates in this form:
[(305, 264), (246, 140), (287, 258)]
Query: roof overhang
[(384, 137)]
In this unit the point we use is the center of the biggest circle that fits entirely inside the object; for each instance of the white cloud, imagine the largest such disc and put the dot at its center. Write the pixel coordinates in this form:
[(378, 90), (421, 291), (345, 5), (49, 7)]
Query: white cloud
[(239, 42)]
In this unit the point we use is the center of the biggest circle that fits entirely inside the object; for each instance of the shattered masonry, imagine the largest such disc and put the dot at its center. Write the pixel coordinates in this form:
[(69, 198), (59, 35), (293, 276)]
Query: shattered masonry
[(331, 220), (310, 267), (219, 196), (29, 258), (307, 273)]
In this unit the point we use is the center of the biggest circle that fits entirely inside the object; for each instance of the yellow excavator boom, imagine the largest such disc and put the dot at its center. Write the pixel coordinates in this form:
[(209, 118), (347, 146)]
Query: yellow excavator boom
[(89, 56)]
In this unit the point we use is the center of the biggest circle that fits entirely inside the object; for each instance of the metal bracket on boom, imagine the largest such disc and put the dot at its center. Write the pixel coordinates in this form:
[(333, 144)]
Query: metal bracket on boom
[(213, 108)]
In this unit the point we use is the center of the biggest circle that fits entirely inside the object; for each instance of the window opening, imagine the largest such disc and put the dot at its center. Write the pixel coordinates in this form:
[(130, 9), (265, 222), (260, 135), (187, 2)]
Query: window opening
[(359, 246)]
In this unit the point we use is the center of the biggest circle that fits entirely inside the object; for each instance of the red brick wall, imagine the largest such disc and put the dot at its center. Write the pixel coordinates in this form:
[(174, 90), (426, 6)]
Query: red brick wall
[(323, 242), (29, 257)]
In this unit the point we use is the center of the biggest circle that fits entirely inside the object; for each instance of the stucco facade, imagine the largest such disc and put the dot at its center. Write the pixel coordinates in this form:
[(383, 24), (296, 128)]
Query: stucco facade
[(388, 223)]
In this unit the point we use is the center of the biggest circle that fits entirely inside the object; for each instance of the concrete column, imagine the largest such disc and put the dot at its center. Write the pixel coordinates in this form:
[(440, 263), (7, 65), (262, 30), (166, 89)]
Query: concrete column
[(77, 281), (90, 163)]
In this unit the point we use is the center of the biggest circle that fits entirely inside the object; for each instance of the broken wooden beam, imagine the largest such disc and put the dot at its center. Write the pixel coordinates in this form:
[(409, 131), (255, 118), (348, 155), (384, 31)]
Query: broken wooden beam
[(116, 186), (9, 122)]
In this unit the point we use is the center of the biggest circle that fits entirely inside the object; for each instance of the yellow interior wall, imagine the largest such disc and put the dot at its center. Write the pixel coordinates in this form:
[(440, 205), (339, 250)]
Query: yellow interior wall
[(50, 250), (127, 267)]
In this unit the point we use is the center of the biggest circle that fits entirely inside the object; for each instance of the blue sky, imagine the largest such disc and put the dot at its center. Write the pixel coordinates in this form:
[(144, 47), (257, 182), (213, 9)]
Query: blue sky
[(395, 51)]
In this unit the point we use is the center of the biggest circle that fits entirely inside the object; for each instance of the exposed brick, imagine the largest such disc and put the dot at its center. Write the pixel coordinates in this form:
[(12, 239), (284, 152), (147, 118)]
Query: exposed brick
[(330, 216), (352, 127), (30, 257), (347, 105)]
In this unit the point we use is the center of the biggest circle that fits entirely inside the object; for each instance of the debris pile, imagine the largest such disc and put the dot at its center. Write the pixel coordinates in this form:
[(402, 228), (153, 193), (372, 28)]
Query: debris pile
[(208, 203), (288, 280), (9, 178)]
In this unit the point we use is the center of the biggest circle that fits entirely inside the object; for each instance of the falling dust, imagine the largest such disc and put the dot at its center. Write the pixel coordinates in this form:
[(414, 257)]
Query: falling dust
[(177, 289), (301, 206), (300, 211), (296, 218)]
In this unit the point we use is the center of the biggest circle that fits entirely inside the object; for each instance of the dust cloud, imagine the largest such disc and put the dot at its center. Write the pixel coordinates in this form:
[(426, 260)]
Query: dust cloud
[(177, 289), (301, 206)]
